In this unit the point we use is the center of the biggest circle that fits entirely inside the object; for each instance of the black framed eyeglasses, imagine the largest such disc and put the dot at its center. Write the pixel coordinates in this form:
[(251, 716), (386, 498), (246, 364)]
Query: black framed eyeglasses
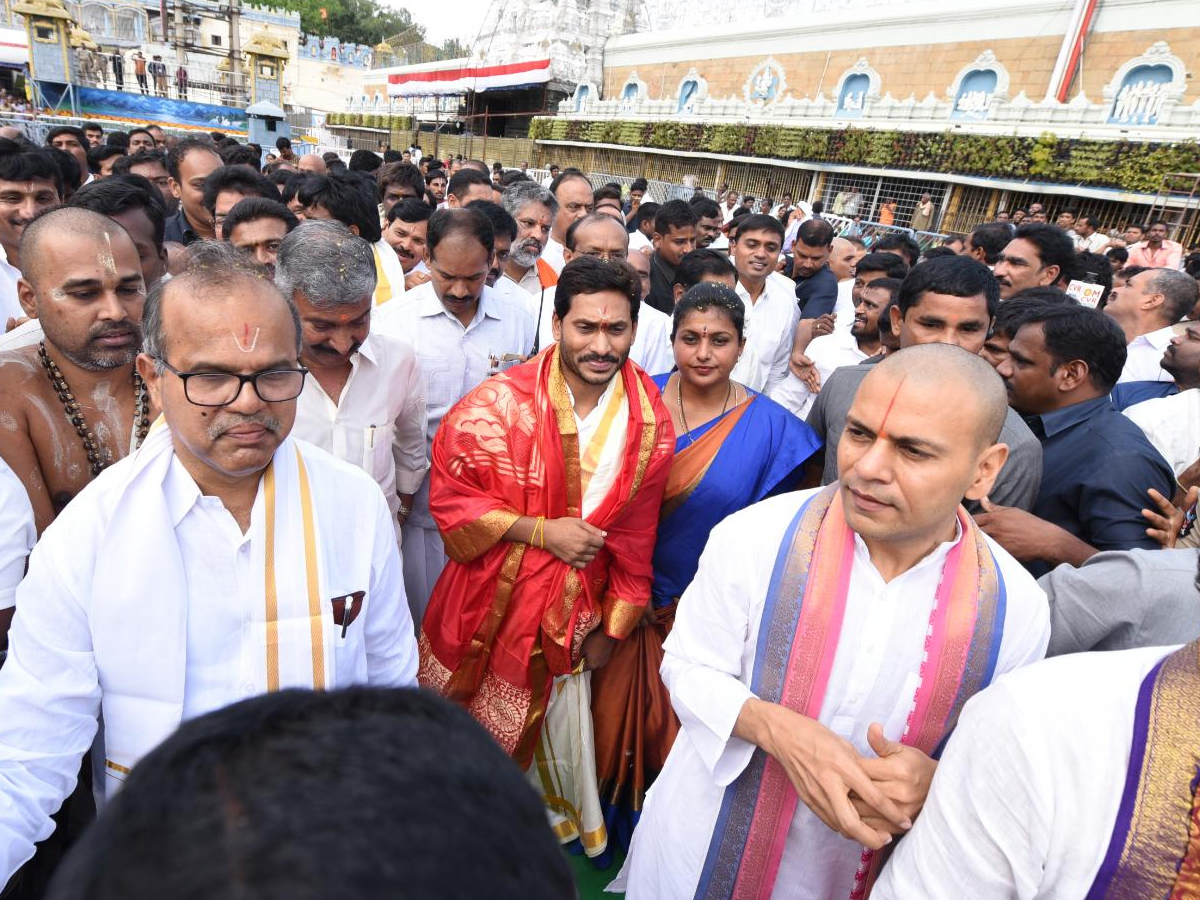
[(222, 388)]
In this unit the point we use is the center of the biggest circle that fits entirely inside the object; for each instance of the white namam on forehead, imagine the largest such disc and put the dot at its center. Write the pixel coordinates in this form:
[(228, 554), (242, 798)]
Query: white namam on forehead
[(246, 343)]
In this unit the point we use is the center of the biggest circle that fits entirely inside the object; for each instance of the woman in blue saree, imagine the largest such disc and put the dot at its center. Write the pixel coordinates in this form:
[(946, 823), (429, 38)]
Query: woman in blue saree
[(734, 448)]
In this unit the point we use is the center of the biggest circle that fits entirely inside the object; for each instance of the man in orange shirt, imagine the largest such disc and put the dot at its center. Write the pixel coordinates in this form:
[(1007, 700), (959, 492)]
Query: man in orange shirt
[(1156, 252)]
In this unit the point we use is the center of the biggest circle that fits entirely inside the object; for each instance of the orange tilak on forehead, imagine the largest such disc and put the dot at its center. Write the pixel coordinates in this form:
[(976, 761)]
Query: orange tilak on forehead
[(891, 403)]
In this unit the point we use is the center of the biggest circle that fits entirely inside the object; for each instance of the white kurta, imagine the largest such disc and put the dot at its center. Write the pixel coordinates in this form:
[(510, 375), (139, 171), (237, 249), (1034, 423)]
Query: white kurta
[(553, 254), (828, 352), (708, 668), (17, 534), (378, 423), (10, 306), (844, 306), (454, 359), (1172, 425), (770, 329), (172, 636), (1026, 795), (1144, 357), (651, 348)]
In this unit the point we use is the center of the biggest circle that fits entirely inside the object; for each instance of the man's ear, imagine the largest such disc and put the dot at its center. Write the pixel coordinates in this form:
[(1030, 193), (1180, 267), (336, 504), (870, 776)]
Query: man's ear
[(987, 469)]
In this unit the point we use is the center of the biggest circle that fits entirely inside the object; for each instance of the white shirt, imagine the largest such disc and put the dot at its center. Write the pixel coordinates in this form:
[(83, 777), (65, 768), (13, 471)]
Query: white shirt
[(378, 423), (58, 674), (553, 255), (770, 328), (1145, 353), (828, 353), (24, 335), (454, 359), (1025, 798), (651, 345), (727, 212), (1172, 425), (639, 242), (843, 308), (608, 464), (17, 534), (708, 667), (1092, 243), (10, 306)]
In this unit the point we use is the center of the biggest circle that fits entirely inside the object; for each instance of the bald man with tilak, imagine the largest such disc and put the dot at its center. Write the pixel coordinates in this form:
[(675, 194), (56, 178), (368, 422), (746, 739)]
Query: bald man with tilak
[(72, 405), (828, 642)]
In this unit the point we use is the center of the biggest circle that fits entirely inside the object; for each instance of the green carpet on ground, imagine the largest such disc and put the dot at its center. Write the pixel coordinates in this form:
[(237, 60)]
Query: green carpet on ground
[(591, 881)]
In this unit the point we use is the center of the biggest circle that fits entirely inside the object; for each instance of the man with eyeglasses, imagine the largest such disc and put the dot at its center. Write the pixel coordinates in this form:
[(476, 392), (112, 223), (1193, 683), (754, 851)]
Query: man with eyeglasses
[(575, 199), (225, 559), (604, 238)]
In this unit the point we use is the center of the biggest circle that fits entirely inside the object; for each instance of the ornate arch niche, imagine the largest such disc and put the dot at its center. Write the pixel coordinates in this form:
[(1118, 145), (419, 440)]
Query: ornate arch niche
[(976, 86), (692, 89), (766, 83), (585, 92), (632, 91), (858, 85), (1146, 88)]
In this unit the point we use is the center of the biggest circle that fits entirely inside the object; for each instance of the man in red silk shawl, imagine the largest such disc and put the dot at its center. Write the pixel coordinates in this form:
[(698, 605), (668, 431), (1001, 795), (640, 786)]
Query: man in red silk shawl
[(546, 485)]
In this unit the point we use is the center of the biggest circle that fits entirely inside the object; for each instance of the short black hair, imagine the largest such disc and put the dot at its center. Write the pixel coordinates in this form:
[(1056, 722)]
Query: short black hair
[(502, 222), (512, 176), (706, 296), (813, 233), (1076, 332), (705, 207), (97, 155), (1054, 248), (250, 209), (411, 209), (907, 247), (117, 139), (890, 264), (348, 196), (760, 222), (955, 276), (606, 192), (587, 275), (364, 793), (991, 238), (674, 214), (145, 131), (68, 168), (891, 285), (177, 154), (568, 175), (93, 126), (646, 211), (935, 252), (234, 154), (236, 178), (1118, 254), (1017, 309), (445, 222), (365, 161), (639, 184), (60, 130), (121, 193), (461, 181), (124, 165), (282, 143), (698, 263), (22, 161), (400, 173)]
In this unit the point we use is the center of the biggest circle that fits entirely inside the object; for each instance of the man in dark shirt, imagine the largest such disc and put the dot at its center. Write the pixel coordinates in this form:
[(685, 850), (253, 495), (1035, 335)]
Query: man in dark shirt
[(816, 285), (674, 238), (944, 301), (189, 163), (1096, 464)]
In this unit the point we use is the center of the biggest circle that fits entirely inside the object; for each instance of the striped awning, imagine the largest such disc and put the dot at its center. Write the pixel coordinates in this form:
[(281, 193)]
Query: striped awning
[(463, 78), (14, 48)]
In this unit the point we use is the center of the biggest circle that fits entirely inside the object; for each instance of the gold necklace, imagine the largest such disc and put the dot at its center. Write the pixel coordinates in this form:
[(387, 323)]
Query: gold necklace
[(141, 410), (679, 405)]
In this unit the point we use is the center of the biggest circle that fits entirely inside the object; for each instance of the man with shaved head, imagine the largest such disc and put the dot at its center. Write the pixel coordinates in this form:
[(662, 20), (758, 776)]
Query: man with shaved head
[(225, 559), (880, 607)]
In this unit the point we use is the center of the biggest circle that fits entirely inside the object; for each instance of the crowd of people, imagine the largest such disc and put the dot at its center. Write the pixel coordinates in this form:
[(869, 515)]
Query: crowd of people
[(715, 518)]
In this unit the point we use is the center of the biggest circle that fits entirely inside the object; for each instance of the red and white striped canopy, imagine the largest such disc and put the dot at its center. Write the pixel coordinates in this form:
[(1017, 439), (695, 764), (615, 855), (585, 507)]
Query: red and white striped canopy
[(462, 78)]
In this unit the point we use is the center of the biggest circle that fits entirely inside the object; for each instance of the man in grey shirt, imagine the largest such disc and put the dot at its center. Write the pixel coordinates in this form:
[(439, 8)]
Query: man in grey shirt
[(1122, 599), (947, 300)]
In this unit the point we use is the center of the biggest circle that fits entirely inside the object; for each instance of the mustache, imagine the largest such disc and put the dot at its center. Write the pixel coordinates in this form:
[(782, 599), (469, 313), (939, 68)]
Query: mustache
[(115, 329), (233, 420), (595, 357)]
